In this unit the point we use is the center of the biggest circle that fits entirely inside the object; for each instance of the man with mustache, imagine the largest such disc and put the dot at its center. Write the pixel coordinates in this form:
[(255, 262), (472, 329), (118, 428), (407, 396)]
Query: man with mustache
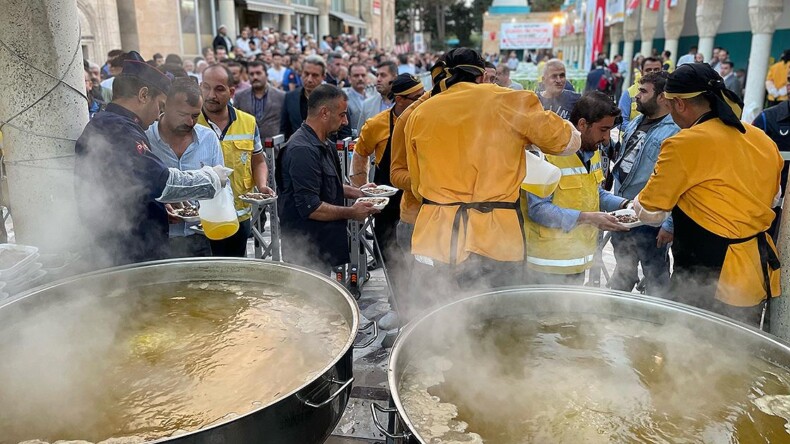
[(241, 148), (180, 143)]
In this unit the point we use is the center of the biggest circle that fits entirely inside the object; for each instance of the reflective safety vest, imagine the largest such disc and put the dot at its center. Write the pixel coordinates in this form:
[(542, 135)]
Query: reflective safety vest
[(552, 250), (237, 146)]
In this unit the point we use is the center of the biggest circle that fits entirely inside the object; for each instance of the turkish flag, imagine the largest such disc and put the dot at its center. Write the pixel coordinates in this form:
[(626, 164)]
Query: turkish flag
[(598, 28), (632, 6), (653, 4), (492, 35)]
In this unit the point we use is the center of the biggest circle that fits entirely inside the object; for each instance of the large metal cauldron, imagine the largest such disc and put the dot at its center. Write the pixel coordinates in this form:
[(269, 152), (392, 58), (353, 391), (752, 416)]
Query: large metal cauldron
[(546, 302), (305, 415)]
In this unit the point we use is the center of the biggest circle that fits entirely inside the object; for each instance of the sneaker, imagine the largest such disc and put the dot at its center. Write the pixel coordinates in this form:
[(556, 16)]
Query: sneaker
[(388, 322)]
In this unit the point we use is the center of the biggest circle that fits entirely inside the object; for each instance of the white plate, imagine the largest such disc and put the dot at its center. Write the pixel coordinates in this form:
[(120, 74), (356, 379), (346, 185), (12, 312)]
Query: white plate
[(31, 254), (388, 191), (258, 201), (628, 212), (189, 219), (377, 206)]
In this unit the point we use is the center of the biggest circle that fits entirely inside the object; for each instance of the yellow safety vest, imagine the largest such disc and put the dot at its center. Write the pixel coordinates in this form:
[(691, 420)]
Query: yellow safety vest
[(551, 250), (237, 147)]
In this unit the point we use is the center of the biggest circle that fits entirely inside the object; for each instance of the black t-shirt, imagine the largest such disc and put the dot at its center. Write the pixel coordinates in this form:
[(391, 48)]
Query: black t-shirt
[(633, 146), (562, 105)]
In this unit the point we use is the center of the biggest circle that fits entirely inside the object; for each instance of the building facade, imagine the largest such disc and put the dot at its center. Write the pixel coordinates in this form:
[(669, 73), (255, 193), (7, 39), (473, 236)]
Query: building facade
[(186, 26)]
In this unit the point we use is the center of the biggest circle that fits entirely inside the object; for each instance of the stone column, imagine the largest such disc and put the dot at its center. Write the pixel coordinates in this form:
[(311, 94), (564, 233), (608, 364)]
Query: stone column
[(227, 17), (323, 19), (708, 20), (615, 35), (763, 15), (673, 25), (630, 30), (42, 113), (580, 48), (285, 19), (648, 25)]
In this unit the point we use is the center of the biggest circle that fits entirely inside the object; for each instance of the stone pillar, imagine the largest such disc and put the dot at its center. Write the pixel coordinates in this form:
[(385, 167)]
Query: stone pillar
[(227, 17), (580, 46), (708, 20), (780, 307), (285, 20), (323, 19), (43, 118), (648, 25), (673, 24), (630, 30), (615, 34), (763, 15)]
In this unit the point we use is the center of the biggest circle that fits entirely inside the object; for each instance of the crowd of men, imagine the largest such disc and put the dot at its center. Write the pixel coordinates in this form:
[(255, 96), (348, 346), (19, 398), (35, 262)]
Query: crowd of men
[(173, 131)]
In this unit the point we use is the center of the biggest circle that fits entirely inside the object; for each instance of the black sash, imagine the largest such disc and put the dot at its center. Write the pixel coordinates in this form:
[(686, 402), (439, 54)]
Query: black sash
[(462, 214)]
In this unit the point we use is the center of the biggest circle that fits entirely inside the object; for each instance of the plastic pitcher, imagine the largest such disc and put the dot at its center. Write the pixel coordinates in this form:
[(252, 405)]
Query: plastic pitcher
[(542, 177), (218, 215)]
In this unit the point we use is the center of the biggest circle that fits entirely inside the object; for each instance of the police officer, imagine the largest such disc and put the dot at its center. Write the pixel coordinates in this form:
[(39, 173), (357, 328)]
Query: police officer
[(121, 185)]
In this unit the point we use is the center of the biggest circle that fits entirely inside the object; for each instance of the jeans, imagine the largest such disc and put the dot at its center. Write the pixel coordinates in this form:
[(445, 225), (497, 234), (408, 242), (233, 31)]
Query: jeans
[(236, 245), (639, 246)]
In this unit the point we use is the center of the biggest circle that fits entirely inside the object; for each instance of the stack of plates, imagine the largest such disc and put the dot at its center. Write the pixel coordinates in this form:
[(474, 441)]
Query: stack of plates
[(20, 269)]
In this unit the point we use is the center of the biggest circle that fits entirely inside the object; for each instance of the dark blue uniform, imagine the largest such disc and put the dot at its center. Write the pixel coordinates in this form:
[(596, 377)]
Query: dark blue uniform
[(118, 180), (308, 173)]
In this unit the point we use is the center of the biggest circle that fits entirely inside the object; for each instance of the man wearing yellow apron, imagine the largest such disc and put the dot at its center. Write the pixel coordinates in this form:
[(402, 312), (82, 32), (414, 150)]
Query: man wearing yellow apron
[(719, 178), (562, 229), (466, 159)]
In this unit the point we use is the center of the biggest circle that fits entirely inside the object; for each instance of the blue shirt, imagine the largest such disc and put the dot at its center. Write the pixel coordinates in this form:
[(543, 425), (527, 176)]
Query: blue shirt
[(543, 212), (204, 150)]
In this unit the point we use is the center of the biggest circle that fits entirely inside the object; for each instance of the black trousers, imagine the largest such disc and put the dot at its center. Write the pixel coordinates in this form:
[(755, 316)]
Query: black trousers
[(234, 246)]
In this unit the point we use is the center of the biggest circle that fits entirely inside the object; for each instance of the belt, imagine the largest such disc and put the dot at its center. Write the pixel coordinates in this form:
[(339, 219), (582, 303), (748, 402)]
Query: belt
[(462, 214)]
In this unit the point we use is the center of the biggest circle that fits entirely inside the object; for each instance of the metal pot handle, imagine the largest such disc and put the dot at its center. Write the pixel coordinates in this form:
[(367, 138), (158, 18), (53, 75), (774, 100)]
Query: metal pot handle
[(380, 426), (333, 395), (372, 338)]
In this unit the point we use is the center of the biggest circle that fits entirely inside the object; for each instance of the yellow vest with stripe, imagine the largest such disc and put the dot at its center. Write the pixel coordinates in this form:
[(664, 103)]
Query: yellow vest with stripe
[(237, 147), (552, 250)]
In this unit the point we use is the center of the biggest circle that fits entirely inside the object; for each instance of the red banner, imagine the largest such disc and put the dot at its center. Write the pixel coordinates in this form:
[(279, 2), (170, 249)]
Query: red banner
[(653, 4), (599, 23)]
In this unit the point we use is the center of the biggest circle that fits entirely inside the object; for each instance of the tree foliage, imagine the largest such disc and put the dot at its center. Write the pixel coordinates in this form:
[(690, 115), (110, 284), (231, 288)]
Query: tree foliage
[(546, 5)]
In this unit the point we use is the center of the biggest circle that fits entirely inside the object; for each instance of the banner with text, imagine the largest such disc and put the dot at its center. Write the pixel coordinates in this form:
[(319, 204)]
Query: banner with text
[(615, 11), (526, 35)]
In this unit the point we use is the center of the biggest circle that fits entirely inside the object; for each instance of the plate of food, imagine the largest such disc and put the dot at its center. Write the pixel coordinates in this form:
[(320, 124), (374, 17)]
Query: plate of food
[(258, 198), (379, 191), (627, 218), (378, 202), (187, 214)]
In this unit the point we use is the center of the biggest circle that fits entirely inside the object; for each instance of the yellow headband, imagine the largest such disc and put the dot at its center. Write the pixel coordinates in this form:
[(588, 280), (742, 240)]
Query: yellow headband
[(412, 90), (734, 106)]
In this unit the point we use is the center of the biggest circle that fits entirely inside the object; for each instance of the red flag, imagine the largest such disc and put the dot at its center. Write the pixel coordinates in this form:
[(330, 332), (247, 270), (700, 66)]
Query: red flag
[(633, 5), (653, 4), (598, 28)]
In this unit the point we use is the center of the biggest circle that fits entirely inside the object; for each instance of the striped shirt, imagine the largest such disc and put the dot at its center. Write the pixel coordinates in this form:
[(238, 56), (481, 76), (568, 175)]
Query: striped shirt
[(204, 150)]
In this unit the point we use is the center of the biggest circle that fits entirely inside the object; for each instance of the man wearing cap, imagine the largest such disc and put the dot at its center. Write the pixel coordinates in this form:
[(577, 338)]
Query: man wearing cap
[(241, 148), (718, 177), (467, 166), (121, 186), (222, 39)]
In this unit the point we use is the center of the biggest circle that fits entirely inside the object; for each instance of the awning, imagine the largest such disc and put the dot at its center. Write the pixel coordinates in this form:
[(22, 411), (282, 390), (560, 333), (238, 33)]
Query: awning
[(349, 19), (304, 9), (270, 6)]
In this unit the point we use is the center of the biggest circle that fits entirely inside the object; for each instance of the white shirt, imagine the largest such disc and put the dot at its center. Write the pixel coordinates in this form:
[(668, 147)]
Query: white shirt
[(243, 44), (275, 75)]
